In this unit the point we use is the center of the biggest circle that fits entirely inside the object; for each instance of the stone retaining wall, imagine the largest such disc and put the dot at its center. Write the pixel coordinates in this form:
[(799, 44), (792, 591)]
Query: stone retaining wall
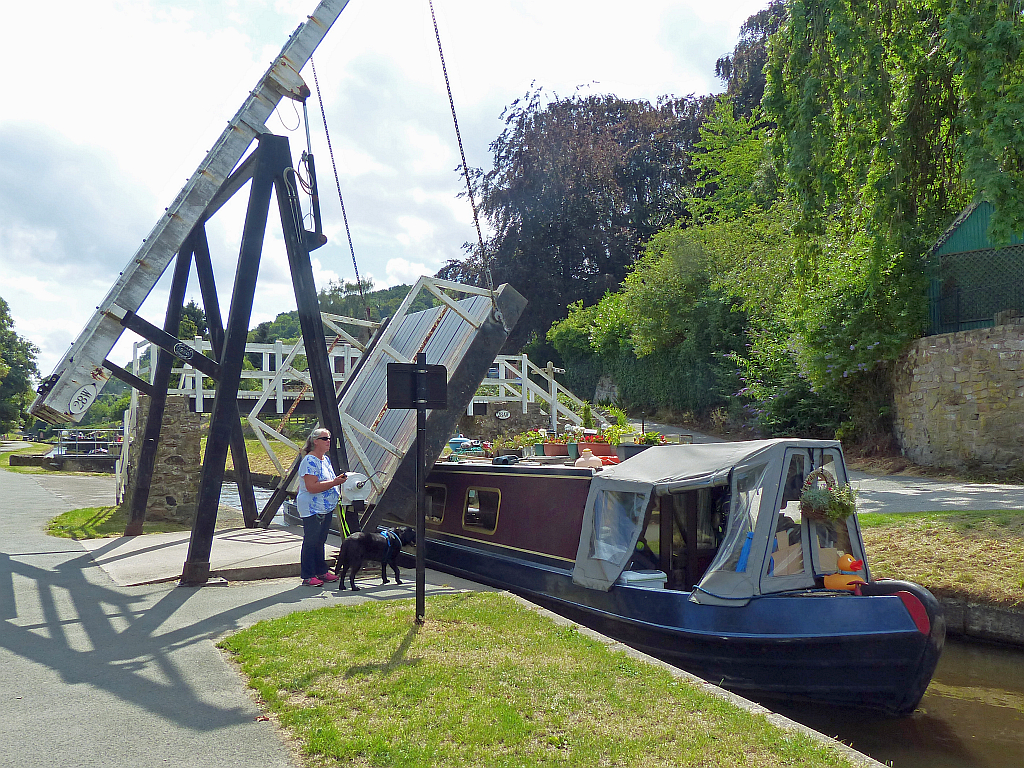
[(66, 463), (960, 399), (489, 427), (175, 485), (983, 622)]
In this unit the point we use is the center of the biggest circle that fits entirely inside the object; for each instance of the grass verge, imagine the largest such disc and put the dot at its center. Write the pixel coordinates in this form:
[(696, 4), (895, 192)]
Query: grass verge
[(101, 522), (486, 682), (34, 448), (259, 461), (978, 556)]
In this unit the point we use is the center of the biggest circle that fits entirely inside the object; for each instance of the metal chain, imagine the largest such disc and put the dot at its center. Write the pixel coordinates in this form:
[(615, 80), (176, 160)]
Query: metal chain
[(337, 183), (465, 167)]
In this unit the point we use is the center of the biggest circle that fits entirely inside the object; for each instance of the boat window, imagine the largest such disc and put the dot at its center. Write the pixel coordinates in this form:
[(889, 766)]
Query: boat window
[(650, 541), (437, 495), (481, 511), (832, 464), (617, 515), (787, 557), (748, 485), (831, 540)]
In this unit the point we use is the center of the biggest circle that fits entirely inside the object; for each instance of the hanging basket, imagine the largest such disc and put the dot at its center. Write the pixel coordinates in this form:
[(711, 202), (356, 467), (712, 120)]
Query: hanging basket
[(822, 499)]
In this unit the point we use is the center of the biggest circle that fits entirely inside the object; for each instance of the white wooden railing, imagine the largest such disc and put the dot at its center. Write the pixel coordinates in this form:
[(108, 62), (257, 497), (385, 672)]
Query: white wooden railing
[(513, 379), (512, 386)]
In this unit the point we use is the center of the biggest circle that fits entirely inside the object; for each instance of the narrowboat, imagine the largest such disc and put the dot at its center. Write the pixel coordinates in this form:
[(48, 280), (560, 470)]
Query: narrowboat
[(700, 555)]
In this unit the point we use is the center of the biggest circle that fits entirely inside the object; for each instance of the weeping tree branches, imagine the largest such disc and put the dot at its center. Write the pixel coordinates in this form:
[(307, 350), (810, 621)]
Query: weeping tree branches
[(892, 116)]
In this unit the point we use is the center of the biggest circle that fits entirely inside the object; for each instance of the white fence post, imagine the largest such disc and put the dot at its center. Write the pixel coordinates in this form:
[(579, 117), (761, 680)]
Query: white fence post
[(278, 361), (553, 397), (523, 373)]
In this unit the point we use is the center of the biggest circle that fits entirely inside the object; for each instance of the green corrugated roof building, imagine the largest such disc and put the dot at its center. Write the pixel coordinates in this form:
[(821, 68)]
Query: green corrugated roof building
[(972, 280)]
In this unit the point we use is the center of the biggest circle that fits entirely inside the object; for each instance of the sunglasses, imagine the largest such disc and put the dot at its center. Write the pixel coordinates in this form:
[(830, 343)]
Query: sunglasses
[(324, 438)]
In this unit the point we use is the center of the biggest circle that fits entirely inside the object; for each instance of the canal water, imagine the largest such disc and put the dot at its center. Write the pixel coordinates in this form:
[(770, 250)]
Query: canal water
[(971, 716), (229, 498)]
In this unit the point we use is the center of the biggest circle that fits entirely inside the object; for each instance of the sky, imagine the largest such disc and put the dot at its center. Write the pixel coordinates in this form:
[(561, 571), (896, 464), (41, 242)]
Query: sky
[(114, 103)]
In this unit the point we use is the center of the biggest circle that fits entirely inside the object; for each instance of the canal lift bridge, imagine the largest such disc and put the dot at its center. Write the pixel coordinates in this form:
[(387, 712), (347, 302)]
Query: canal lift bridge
[(463, 331)]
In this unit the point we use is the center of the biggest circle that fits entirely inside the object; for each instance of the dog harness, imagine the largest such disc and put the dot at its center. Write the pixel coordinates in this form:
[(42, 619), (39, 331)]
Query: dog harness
[(393, 541)]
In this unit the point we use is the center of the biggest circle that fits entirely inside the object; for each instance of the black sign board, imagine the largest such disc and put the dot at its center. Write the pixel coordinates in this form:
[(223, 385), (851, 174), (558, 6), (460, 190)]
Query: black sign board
[(402, 386)]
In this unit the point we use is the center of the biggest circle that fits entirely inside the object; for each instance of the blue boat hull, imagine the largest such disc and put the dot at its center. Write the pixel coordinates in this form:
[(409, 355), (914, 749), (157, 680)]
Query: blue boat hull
[(840, 649)]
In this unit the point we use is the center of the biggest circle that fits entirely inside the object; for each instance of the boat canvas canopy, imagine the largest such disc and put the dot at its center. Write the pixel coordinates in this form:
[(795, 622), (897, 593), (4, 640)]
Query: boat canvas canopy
[(619, 496)]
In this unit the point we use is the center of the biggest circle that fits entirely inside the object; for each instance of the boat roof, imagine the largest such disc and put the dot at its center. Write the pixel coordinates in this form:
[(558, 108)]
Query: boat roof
[(670, 468)]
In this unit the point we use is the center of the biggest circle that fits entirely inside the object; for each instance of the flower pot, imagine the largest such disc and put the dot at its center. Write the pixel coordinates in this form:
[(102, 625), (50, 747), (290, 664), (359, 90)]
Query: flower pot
[(574, 450), (538, 449), (601, 449), (556, 449), (627, 451)]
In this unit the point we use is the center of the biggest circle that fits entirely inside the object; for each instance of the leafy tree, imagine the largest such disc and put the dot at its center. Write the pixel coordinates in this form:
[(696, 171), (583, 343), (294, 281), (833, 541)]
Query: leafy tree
[(665, 336), (107, 410), (17, 369), (985, 41), (193, 322), (578, 184), (345, 299), (856, 98), (284, 327), (743, 70), (732, 165)]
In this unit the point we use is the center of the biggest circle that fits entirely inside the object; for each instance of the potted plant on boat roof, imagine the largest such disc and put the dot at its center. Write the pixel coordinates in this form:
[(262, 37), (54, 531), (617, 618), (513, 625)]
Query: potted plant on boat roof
[(574, 435), (641, 441), (599, 445), (505, 446), (649, 438), (532, 441), (823, 499), (556, 445), (616, 433)]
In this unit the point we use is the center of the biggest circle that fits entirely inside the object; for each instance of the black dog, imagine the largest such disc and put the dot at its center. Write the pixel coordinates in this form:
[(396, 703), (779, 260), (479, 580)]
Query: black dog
[(363, 545)]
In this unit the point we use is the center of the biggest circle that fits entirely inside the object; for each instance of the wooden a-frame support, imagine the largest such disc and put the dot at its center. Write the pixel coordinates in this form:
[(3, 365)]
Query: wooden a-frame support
[(269, 168)]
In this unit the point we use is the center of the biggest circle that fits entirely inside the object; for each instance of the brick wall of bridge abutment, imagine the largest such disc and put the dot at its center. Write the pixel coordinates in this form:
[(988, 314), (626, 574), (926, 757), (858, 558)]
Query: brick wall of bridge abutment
[(960, 399)]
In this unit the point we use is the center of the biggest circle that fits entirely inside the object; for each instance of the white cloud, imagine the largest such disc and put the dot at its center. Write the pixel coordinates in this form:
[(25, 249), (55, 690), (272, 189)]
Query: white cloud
[(399, 271), (117, 101)]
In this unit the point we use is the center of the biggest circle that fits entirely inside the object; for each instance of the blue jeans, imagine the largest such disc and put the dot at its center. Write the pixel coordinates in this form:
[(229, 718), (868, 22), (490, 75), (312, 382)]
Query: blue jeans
[(314, 534)]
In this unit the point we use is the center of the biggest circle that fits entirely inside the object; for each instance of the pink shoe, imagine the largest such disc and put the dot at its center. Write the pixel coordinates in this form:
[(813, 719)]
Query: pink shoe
[(312, 582), (328, 577)]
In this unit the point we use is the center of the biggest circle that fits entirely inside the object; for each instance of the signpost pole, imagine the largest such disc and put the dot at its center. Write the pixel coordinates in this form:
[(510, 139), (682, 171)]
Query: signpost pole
[(420, 386), (421, 524)]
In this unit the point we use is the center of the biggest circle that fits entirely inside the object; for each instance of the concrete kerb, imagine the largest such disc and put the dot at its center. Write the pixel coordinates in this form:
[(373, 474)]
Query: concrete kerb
[(780, 721)]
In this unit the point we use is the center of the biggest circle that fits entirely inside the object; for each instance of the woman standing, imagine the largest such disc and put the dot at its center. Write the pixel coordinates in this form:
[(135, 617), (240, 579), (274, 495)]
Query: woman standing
[(316, 498)]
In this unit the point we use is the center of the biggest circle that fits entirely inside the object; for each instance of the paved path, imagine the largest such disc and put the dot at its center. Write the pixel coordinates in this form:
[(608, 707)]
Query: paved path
[(900, 493), (95, 674)]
